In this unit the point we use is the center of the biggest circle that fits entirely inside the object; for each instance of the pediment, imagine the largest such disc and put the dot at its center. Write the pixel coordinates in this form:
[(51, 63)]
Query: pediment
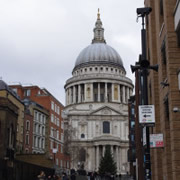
[(105, 111)]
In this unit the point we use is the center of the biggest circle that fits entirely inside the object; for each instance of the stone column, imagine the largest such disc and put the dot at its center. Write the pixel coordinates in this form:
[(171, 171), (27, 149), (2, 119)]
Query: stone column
[(79, 93), (66, 97), (120, 160), (71, 93), (117, 158), (69, 98), (92, 91), (119, 93), (99, 88), (127, 93), (112, 151), (124, 100), (112, 90), (97, 157), (106, 100), (74, 94), (104, 150), (93, 158), (130, 91), (85, 92)]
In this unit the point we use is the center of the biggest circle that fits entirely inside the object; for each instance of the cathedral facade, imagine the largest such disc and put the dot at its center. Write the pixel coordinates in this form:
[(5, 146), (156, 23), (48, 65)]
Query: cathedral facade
[(96, 112)]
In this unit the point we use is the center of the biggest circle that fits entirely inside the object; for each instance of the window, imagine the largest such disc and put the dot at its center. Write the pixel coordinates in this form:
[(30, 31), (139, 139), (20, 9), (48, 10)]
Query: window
[(166, 107), (58, 110), (39, 129), (52, 131), (39, 142), (27, 125), (42, 143), (61, 163), (82, 136), (61, 148), (55, 108), (43, 130), (15, 90), (163, 52), (161, 8), (62, 125), (106, 127), (132, 124), (52, 117), (62, 137), (27, 92), (57, 134), (51, 145), (132, 111), (35, 115), (52, 105), (57, 121), (39, 117)]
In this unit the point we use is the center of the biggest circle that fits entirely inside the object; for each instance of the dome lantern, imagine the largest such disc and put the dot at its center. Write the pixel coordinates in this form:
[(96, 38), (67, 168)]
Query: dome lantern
[(98, 31)]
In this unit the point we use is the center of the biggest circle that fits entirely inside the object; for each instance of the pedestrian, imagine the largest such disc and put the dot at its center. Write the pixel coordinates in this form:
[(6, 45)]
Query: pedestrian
[(41, 176), (64, 176)]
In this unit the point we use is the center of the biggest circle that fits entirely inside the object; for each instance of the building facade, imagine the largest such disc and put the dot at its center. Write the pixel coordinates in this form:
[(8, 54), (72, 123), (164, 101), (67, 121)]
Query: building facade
[(162, 26), (96, 112), (55, 124), (36, 128), (11, 119)]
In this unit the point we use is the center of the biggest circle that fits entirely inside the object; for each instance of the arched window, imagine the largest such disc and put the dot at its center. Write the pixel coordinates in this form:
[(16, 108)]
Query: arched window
[(106, 127), (82, 136)]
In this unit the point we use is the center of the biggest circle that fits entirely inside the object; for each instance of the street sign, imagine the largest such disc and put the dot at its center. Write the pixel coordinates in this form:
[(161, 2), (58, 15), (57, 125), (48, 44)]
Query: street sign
[(156, 140), (146, 114)]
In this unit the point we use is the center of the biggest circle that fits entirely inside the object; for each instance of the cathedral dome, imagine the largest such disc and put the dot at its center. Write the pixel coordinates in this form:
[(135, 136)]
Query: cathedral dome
[(98, 52)]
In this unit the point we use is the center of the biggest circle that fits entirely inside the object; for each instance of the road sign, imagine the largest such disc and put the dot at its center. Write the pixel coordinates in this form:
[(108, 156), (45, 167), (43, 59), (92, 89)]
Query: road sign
[(146, 114), (156, 140)]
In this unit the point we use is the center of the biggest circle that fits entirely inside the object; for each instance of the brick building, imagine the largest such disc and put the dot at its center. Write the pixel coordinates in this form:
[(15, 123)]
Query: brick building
[(163, 48), (56, 124)]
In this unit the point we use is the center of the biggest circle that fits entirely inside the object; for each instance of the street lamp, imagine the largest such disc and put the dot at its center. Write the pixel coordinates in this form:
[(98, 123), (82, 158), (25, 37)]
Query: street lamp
[(143, 65)]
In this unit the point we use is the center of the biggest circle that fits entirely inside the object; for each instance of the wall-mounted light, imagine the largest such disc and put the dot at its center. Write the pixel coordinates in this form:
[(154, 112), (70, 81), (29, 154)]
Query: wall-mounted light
[(176, 109)]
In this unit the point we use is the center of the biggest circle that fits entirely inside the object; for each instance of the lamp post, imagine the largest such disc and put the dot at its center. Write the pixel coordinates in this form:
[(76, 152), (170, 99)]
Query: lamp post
[(143, 66)]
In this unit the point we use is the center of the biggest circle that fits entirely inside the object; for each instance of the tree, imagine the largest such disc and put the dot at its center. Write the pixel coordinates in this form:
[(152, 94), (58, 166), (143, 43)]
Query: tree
[(107, 165)]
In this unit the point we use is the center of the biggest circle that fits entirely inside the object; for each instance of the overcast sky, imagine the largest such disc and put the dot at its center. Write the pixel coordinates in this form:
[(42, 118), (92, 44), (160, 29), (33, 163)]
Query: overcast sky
[(41, 39)]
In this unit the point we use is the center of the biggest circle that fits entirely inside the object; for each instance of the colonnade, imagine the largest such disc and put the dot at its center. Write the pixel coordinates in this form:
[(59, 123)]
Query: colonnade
[(98, 92)]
